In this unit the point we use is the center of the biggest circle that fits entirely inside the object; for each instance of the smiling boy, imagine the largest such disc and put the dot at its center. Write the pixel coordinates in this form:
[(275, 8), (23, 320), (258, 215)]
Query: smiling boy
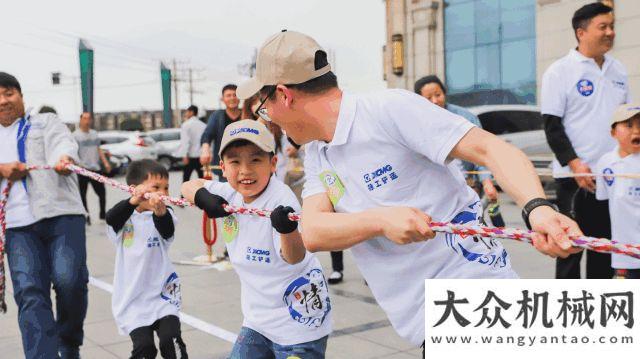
[(285, 301)]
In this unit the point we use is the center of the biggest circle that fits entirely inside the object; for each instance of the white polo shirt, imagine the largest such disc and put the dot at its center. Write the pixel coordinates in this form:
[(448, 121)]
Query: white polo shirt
[(585, 96), (391, 148), (145, 284), (18, 211), (288, 304), (624, 202)]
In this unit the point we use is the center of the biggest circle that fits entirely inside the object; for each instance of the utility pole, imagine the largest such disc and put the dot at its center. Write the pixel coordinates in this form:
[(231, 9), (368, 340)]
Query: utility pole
[(176, 115), (191, 85)]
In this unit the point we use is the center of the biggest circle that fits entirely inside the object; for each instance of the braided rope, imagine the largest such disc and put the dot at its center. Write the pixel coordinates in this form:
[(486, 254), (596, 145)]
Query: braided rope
[(602, 245), (3, 227), (596, 244)]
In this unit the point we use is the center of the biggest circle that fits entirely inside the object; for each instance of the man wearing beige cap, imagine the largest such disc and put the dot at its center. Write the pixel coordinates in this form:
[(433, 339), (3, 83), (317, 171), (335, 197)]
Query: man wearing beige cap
[(623, 192), (377, 173)]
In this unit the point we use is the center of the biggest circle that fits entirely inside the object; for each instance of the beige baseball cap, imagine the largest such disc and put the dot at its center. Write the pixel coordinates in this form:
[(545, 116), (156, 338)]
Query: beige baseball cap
[(625, 112), (250, 130), (287, 57)]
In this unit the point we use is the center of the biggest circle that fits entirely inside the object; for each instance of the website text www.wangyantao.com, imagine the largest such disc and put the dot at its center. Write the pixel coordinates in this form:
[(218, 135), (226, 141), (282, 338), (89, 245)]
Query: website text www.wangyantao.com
[(525, 340)]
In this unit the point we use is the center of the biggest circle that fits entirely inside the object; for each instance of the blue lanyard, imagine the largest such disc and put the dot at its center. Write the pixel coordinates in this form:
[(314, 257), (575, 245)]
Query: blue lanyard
[(23, 130)]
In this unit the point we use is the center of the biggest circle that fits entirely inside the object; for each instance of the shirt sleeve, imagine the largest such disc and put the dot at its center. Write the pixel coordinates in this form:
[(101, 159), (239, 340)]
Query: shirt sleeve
[(422, 126), (601, 187), (558, 139), (118, 215), (184, 141), (312, 184), (59, 141), (165, 225), (553, 98), (223, 190), (210, 131)]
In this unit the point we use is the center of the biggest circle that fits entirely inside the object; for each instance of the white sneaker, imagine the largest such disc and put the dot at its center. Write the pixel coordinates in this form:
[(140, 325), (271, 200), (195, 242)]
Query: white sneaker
[(335, 278)]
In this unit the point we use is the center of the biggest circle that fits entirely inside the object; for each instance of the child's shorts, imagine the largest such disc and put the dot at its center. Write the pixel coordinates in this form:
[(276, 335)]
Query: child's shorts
[(251, 344)]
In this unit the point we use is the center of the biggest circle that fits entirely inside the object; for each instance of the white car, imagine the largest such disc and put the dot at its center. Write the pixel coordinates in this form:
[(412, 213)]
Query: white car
[(131, 145), (522, 126), (167, 144)]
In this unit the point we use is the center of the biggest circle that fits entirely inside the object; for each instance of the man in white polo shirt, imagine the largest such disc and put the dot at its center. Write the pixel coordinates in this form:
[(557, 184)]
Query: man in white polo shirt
[(377, 170), (579, 94)]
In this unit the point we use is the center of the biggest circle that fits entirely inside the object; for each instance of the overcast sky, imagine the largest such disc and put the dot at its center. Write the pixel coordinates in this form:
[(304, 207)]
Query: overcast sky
[(213, 37)]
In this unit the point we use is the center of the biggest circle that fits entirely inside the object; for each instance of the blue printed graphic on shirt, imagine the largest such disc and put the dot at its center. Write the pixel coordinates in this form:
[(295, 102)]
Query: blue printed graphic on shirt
[(307, 299), (585, 87), (171, 290), (487, 253), (379, 177), (153, 242), (258, 255), (608, 179)]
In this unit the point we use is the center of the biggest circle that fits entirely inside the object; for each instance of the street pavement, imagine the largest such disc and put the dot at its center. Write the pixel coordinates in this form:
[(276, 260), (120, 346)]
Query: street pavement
[(211, 296)]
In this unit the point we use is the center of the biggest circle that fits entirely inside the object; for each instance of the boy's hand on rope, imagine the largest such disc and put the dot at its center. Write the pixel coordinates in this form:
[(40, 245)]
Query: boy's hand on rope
[(61, 166), (280, 220), (552, 231), (13, 171), (212, 204), (138, 194), (404, 225), (158, 206)]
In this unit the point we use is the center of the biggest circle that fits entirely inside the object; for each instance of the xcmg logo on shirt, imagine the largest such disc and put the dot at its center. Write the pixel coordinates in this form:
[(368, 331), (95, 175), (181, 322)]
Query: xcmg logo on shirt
[(585, 87), (244, 129), (380, 177), (608, 179)]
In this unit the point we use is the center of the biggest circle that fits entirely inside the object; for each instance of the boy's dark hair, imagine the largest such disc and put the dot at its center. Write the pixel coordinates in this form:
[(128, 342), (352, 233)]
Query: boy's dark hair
[(314, 86), (193, 109), (229, 87), (241, 143), (47, 109), (8, 81), (139, 171), (428, 80), (582, 17)]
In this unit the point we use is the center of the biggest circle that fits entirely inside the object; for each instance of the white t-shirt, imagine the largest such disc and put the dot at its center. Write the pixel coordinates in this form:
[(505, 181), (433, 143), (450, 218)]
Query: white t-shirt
[(585, 96), (18, 209), (391, 148), (624, 202), (288, 304), (145, 284)]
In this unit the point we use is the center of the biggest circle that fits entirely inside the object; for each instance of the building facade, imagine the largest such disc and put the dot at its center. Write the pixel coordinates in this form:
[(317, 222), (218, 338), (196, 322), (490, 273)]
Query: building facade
[(493, 51)]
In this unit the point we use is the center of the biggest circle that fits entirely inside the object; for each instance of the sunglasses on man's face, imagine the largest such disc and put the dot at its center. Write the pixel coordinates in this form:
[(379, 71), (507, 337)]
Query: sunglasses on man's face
[(262, 112)]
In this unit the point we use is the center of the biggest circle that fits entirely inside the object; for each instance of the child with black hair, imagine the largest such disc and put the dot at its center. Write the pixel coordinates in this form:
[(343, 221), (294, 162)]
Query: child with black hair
[(284, 295), (623, 192), (146, 289)]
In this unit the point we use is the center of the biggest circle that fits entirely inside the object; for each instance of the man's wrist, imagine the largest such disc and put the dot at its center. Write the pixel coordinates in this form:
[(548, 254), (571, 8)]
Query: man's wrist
[(530, 206)]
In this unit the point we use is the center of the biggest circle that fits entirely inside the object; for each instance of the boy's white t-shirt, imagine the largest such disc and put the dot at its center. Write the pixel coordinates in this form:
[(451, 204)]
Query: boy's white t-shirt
[(288, 304), (391, 148), (145, 284), (624, 202)]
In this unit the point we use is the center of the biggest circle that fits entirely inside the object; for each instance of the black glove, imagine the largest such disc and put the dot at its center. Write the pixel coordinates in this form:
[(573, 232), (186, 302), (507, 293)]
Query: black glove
[(210, 203), (281, 222)]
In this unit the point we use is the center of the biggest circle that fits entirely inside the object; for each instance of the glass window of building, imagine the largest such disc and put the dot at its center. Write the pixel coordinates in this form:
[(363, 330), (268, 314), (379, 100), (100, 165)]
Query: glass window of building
[(490, 51)]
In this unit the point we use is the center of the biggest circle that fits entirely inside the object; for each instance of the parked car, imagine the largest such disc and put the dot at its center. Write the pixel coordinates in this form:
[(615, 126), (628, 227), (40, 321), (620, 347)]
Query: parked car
[(522, 126), (168, 142), (130, 145)]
